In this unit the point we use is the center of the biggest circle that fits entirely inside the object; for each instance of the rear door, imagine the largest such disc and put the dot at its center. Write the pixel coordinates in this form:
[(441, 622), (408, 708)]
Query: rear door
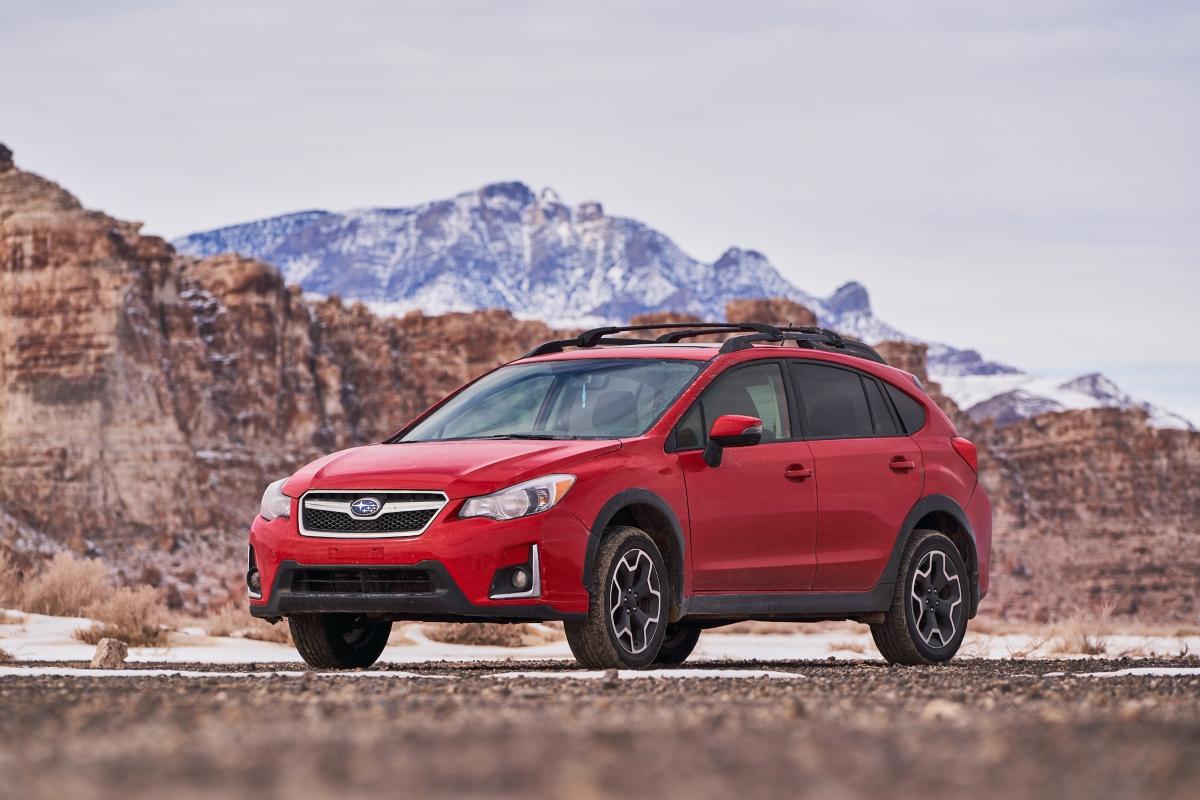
[(868, 472), (753, 518)]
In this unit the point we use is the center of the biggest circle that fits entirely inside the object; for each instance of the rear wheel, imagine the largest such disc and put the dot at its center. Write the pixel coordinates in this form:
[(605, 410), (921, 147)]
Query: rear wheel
[(339, 641), (928, 618), (678, 643), (627, 615)]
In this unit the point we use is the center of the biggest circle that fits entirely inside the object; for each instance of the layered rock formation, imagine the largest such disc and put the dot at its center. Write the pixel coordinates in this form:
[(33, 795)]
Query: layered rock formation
[(147, 397)]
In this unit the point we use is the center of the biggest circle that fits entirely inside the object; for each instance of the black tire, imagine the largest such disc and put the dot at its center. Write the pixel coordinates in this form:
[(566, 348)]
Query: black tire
[(339, 641), (641, 608), (678, 643), (928, 617)]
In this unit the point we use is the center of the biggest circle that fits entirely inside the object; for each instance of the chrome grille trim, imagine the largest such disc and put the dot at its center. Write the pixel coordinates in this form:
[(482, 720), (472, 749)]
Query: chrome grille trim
[(386, 507)]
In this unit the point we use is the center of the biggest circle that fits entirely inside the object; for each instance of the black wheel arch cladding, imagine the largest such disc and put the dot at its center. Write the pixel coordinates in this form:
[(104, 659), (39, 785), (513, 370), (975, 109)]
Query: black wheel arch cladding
[(630, 500)]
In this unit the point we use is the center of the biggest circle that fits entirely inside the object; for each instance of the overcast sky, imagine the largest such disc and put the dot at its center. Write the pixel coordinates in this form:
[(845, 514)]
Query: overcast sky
[(1019, 177)]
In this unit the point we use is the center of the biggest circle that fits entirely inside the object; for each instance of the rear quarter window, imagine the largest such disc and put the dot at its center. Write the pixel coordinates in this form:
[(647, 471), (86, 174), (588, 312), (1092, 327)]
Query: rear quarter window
[(912, 413)]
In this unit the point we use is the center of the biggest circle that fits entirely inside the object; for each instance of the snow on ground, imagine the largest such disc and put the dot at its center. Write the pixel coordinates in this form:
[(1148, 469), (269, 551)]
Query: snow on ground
[(1152, 672), (635, 674), (35, 637)]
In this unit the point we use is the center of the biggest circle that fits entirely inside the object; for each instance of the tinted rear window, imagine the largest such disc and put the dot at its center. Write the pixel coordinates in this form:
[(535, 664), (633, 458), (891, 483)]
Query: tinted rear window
[(912, 413), (835, 406)]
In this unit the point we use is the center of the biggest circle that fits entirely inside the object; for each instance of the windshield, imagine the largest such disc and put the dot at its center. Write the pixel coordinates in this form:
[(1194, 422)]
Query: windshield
[(581, 399)]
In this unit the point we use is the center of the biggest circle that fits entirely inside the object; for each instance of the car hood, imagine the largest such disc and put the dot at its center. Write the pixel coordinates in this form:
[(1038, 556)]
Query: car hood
[(460, 469)]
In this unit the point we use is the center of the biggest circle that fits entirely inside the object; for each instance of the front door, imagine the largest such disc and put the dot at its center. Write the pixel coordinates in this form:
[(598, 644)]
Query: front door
[(753, 518)]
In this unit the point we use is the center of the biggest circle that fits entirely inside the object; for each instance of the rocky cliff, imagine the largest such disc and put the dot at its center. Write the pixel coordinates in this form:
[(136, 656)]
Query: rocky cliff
[(147, 397)]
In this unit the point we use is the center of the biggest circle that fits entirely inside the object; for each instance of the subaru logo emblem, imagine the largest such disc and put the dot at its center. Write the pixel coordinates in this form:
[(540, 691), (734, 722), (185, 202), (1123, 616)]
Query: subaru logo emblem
[(365, 507)]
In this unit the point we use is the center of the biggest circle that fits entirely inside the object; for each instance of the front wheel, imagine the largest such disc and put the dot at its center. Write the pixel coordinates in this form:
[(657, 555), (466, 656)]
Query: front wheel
[(339, 641), (630, 601), (928, 618)]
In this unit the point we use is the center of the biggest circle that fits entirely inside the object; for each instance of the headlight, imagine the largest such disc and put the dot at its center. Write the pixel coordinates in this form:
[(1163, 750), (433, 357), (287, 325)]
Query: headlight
[(274, 502), (521, 500)]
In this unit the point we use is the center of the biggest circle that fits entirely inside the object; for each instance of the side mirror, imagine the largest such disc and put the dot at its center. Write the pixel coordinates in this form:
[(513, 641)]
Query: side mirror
[(731, 430)]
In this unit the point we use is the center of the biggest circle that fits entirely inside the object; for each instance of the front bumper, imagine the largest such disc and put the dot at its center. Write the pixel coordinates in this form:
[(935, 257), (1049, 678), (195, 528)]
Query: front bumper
[(461, 556), (442, 601)]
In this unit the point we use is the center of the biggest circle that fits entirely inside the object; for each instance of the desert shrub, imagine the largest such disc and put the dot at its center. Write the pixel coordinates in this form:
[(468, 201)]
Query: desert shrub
[(1079, 636), (10, 581), (66, 587), (5, 656), (134, 616), (233, 619), (489, 633)]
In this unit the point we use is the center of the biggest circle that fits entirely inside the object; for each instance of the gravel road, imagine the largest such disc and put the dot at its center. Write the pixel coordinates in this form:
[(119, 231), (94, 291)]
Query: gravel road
[(975, 729)]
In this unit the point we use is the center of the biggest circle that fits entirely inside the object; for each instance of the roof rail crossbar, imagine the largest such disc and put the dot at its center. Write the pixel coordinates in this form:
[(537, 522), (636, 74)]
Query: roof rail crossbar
[(706, 328), (804, 336), (813, 338), (596, 336)]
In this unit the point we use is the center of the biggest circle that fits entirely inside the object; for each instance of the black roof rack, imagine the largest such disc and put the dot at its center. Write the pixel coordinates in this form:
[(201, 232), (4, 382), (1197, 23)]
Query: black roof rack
[(752, 332)]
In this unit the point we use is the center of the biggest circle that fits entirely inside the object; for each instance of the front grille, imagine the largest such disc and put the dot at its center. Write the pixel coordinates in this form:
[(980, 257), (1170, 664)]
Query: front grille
[(393, 522), (404, 513), (360, 580)]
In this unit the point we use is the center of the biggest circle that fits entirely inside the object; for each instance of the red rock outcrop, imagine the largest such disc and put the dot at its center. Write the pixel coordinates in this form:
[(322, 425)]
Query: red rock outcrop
[(146, 399)]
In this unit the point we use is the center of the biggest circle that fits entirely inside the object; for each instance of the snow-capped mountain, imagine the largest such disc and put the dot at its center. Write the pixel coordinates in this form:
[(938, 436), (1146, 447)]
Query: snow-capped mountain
[(505, 246), (1007, 398)]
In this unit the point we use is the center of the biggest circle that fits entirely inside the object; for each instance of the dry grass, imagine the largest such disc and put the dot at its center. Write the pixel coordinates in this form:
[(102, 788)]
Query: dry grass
[(135, 616), (1031, 647), (487, 633), (1078, 636), (234, 619), (848, 646), (66, 587), (12, 618), (5, 656), (10, 580)]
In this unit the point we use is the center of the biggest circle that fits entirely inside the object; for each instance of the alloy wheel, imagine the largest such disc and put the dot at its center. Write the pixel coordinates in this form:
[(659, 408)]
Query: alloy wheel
[(937, 600), (635, 601)]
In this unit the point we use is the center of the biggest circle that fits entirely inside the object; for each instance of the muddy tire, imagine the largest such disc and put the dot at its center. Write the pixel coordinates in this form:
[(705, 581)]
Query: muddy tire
[(630, 601), (678, 643), (339, 641), (928, 616)]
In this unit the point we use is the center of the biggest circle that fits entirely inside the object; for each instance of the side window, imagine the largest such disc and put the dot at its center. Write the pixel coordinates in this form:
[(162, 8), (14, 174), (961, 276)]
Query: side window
[(912, 413), (881, 410), (753, 391), (835, 405), (689, 433)]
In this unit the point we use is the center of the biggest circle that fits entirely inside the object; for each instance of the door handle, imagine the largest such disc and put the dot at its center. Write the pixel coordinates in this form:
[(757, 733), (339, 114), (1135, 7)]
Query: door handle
[(797, 472), (902, 464)]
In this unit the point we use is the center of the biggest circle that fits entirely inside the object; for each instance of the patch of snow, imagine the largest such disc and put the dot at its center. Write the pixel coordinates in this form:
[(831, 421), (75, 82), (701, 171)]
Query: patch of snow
[(84, 672), (1122, 673), (637, 674)]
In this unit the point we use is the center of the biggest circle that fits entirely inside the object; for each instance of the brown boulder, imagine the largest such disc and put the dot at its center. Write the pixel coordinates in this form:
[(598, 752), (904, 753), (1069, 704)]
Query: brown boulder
[(110, 654)]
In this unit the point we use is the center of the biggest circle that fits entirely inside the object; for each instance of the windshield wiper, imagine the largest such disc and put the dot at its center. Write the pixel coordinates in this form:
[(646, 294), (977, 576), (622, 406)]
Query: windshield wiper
[(554, 436), (536, 436)]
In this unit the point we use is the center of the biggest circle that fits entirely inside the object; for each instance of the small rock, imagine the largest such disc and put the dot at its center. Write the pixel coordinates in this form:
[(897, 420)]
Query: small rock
[(942, 711), (110, 654), (611, 678)]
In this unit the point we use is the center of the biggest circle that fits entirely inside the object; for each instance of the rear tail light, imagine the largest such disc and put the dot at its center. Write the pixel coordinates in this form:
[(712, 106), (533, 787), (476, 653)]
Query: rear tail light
[(966, 449)]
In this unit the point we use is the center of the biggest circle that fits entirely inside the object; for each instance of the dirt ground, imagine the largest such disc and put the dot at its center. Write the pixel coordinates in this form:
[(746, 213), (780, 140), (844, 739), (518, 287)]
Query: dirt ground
[(977, 729)]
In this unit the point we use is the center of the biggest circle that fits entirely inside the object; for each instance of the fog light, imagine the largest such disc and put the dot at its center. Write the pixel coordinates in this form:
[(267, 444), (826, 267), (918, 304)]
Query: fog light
[(519, 578), (254, 581)]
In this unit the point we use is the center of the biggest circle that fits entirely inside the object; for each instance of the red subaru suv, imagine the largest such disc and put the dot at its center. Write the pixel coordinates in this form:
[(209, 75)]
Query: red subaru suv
[(641, 490)]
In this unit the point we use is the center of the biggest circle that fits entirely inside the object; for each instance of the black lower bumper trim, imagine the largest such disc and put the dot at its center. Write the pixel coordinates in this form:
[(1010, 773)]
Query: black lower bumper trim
[(440, 600)]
